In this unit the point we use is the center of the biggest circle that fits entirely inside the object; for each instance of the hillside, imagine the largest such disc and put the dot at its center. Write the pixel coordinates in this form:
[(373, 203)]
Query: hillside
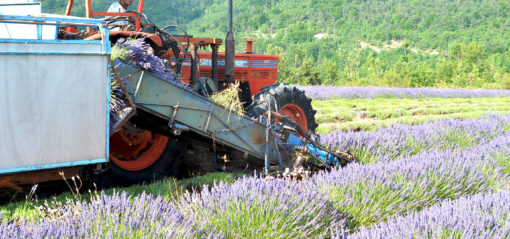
[(440, 43)]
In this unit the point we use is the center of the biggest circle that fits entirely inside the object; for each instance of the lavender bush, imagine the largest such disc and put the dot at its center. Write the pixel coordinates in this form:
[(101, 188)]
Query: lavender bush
[(328, 92), (257, 208), (445, 160), (251, 207), (372, 193), (116, 216), (404, 140), (479, 216)]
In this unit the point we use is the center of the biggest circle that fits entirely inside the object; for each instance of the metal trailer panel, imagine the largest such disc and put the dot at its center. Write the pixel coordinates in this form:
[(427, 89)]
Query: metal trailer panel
[(54, 100), (52, 110), (17, 1), (77, 47)]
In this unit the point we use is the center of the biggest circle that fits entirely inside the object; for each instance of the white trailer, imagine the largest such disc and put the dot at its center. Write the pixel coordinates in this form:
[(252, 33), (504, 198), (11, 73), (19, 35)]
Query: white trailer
[(54, 96)]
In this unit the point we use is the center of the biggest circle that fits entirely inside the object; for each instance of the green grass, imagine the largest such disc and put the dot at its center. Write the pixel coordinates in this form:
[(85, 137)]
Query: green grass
[(371, 114), (504, 163), (168, 188)]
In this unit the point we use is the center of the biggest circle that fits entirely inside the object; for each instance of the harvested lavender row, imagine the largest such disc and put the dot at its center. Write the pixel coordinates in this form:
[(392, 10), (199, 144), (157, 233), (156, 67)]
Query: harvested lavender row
[(117, 104), (480, 216), (257, 208), (117, 216), (403, 140), (372, 193), (328, 92)]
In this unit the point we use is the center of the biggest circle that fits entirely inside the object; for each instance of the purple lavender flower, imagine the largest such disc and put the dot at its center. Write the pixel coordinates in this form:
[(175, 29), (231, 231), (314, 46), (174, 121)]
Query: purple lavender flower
[(136, 51), (456, 158), (404, 140), (372, 193), (479, 216), (116, 216), (259, 208), (328, 92)]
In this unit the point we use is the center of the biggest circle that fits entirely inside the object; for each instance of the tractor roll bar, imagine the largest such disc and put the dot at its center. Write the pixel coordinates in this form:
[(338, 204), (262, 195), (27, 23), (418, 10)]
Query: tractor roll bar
[(89, 13)]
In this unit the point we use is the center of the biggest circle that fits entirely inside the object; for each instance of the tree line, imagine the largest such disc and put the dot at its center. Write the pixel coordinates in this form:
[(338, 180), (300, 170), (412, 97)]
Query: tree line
[(440, 43)]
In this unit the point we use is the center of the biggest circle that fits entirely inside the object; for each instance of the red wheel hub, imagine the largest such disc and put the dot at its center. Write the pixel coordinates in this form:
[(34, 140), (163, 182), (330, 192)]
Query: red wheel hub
[(135, 149), (295, 113)]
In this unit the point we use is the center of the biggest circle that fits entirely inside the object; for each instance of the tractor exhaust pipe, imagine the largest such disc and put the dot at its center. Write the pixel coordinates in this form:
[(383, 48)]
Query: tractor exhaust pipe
[(230, 51)]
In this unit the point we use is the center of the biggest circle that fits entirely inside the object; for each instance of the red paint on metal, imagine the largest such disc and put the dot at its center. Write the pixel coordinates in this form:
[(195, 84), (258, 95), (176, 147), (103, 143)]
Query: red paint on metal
[(136, 149), (14, 180), (249, 47), (249, 44), (257, 74), (69, 7), (295, 113), (88, 9)]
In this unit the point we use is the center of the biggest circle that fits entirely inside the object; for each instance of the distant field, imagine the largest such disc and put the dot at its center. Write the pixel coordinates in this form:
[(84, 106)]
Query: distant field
[(369, 114), (333, 92)]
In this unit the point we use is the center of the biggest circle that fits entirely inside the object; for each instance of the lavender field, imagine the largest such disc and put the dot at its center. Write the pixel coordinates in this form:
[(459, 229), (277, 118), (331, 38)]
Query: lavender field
[(332, 92), (442, 178), (371, 114)]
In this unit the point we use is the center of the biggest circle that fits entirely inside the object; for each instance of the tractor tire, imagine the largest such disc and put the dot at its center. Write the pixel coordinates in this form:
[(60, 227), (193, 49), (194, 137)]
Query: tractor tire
[(166, 165), (287, 100)]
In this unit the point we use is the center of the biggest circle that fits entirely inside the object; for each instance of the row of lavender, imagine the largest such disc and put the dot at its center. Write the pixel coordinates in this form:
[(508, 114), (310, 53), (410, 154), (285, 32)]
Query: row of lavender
[(328, 92), (404, 140), (335, 203), (479, 216), (375, 192)]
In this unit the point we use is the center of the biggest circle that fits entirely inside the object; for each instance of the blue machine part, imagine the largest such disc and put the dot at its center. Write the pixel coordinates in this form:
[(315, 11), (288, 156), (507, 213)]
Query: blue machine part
[(294, 140), (324, 156)]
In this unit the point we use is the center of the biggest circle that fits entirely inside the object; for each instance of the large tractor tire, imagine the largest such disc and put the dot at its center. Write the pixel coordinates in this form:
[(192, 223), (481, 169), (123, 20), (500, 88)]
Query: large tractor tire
[(138, 156), (287, 100)]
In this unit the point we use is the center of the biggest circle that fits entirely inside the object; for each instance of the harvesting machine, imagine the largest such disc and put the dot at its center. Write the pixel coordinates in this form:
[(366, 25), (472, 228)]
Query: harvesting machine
[(56, 80)]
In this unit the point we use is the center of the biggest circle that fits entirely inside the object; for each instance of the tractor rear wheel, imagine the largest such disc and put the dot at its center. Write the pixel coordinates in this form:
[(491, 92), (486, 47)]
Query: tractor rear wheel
[(139, 155), (287, 100)]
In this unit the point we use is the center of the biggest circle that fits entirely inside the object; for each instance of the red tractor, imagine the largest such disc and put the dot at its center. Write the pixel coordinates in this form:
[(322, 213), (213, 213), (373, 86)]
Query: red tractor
[(140, 151)]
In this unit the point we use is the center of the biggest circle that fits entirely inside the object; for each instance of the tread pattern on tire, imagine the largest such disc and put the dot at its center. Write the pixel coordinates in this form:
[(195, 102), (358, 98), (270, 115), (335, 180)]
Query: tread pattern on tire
[(278, 95)]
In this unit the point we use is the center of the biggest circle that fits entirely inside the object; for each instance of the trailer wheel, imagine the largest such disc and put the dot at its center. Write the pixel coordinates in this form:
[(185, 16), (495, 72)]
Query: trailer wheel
[(287, 100), (139, 155)]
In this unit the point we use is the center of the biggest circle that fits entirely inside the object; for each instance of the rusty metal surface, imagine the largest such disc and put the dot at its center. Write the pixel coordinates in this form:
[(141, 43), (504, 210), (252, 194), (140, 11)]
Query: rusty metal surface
[(14, 181), (201, 42)]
